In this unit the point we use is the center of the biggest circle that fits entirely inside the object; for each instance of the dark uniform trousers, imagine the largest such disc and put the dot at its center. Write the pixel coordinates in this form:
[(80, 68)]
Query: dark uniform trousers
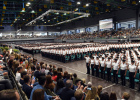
[(97, 70), (88, 68), (92, 69), (131, 76), (123, 77), (115, 76), (102, 73), (108, 74)]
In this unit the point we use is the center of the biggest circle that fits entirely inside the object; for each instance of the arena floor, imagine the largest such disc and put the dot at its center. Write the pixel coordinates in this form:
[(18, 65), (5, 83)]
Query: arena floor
[(79, 67)]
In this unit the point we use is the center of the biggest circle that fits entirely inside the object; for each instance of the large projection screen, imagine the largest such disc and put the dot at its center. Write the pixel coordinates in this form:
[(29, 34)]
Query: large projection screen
[(106, 23)]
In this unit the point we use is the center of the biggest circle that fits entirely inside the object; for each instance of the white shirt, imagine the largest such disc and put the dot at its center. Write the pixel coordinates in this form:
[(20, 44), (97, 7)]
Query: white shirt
[(115, 66), (87, 59), (97, 62), (132, 68), (108, 63), (123, 66), (18, 76), (92, 61), (102, 63)]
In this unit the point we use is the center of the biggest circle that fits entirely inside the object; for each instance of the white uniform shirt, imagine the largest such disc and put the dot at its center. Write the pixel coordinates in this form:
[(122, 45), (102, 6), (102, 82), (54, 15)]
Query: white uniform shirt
[(123, 66), (102, 63), (92, 61), (115, 66), (132, 68), (96, 62), (87, 59), (108, 63)]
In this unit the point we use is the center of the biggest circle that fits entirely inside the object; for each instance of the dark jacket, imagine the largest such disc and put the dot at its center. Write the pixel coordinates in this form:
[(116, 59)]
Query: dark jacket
[(67, 94), (27, 89)]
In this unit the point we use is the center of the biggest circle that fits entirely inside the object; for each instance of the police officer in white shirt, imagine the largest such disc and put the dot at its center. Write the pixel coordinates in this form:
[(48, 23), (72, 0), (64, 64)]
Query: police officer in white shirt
[(123, 67), (115, 71), (132, 74), (87, 63), (102, 62), (92, 65), (97, 65), (109, 65)]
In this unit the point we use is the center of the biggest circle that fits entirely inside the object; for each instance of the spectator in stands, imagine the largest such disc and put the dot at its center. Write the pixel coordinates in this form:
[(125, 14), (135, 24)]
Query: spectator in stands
[(125, 96), (78, 95), (18, 73), (65, 74), (27, 87), (43, 69), (113, 96), (9, 95), (23, 73), (37, 73), (50, 72), (38, 94), (49, 83), (92, 94), (67, 93), (100, 90), (59, 86), (54, 76), (47, 69), (67, 78), (59, 76), (41, 85), (5, 84), (104, 96), (75, 78)]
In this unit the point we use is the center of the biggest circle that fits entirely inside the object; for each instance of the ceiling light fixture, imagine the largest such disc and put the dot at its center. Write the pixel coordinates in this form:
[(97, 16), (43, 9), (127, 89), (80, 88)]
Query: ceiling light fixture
[(82, 14), (78, 3), (32, 11), (87, 4)]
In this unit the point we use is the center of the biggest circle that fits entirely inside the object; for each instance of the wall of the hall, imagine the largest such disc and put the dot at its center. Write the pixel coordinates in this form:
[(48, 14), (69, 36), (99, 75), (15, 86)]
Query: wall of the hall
[(118, 16), (8, 28)]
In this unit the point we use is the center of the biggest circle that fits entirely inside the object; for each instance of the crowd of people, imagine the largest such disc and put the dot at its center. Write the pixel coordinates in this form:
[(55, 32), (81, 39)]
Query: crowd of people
[(123, 33), (36, 78)]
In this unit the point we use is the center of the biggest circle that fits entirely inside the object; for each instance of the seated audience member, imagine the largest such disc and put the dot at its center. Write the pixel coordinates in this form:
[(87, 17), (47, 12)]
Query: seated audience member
[(50, 72), (75, 78), (59, 87), (41, 85), (43, 69), (67, 78), (38, 94), (92, 94), (65, 74), (67, 93), (18, 73), (77, 83), (125, 96), (5, 84), (37, 73), (113, 96), (27, 88), (59, 76), (49, 83), (23, 73), (99, 90), (78, 95), (104, 96), (9, 95), (89, 84), (54, 76), (47, 70)]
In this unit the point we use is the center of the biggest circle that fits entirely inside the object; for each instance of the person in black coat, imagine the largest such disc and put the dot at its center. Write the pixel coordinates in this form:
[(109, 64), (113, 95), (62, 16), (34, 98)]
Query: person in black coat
[(67, 93)]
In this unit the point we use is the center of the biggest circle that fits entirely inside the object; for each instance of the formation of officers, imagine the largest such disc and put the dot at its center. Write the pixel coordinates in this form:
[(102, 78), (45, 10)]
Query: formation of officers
[(73, 52), (124, 64)]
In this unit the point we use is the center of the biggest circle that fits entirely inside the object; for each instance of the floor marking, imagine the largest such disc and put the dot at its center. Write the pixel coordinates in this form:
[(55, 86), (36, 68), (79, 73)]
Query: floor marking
[(108, 86)]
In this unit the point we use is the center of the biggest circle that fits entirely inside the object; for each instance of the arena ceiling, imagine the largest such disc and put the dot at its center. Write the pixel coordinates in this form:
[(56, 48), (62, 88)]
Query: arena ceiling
[(22, 12)]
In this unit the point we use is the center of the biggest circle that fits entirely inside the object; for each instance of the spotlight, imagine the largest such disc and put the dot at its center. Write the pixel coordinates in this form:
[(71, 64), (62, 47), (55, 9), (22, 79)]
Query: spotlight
[(78, 3), (87, 4)]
